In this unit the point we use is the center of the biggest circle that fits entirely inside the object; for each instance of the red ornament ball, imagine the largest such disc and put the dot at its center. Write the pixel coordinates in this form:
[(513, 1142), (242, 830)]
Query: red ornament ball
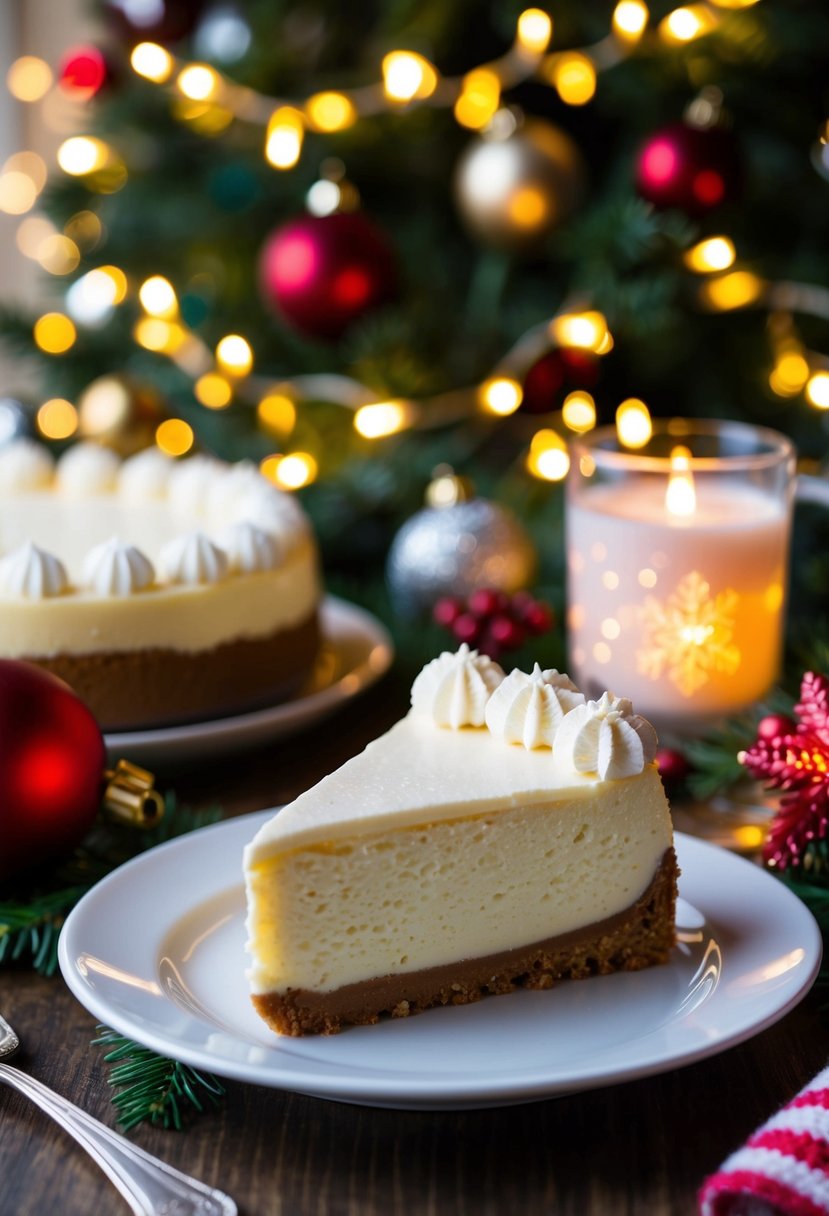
[(692, 168), (52, 761), (672, 765), (83, 72), (322, 273), (554, 375), (774, 726)]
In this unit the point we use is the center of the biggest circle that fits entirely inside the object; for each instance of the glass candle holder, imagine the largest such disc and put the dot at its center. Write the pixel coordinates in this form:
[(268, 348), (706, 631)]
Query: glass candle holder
[(677, 556)]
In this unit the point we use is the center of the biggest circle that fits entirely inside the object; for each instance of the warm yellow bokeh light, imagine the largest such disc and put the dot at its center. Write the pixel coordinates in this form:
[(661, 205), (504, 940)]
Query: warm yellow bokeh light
[(85, 229), (18, 193), (574, 77), (382, 418), (58, 254), (630, 18), (174, 436), (330, 111), (54, 333), (158, 297), (213, 391), (680, 493), (790, 373), (290, 472), (198, 82), (735, 290), (501, 395), (528, 207), (408, 76), (151, 61), (57, 418), (234, 355), (548, 458), (633, 423), (119, 281), (817, 390), (31, 164), (82, 154), (578, 412), (29, 78), (155, 334), (585, 331), (478, 99), (686, 23), (277, 413), (31, 233), (283, 140), (534, 30), (715, 253)]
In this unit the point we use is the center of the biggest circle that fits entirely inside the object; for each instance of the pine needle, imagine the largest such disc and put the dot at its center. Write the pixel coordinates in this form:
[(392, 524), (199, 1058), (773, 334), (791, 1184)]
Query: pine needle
[(153, 1089)]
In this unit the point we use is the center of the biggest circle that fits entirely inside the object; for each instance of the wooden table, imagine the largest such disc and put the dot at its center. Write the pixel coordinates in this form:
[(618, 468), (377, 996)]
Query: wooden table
[(642, 1147)]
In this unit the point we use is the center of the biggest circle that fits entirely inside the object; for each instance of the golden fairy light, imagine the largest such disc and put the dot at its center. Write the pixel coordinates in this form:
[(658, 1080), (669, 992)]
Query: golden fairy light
[(197, 81), (277, 413), (82, 154), (382, 418), (548, 458), (817, 390), (151, 61), (330, 111), (54, 333), (578, 412), (790, 373), (234, 355), (687, 23), (58, 254), (584, 331), (737, 289), (290, 472), (57, 419), (29, 78), (680, 494), (633, 423), (174, 436), (154, 333), (31, 233), (158, 297), (714, 253), (408, 76), (534, 30), (500, 395), (213, 391), (284, 136), (574, 77), (479, 98), (18, 192), (629, 19)]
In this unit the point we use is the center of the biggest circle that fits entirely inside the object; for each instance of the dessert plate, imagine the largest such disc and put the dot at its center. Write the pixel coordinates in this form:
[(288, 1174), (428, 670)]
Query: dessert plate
[(156, 951), (356, 651)]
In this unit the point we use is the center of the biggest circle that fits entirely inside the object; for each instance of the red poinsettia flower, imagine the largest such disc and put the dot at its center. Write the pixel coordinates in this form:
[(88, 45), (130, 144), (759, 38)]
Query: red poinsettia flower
[(796, 760)]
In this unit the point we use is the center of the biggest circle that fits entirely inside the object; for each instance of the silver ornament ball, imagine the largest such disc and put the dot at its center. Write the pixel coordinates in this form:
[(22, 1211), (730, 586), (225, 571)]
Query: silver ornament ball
[(456, 550), (517, 183)]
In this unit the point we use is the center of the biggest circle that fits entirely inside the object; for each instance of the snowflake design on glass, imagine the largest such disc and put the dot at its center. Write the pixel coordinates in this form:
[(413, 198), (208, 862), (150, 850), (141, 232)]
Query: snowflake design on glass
[(689, 635)]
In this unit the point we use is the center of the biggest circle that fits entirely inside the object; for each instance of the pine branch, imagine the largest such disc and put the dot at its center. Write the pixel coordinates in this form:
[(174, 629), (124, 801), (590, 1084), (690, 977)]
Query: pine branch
[(29, 931), (153, 1089)]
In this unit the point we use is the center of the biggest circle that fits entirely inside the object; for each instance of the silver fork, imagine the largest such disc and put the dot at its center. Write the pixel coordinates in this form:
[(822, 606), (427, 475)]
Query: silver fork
[(150, 1187)]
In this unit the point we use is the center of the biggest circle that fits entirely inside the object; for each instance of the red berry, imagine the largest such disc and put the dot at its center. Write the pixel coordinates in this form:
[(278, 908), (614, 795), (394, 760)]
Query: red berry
[(537, 617), (672, 765), (506, 632), (446, 611), (774, 727), (521, 601), (486, 602), (467, 628)]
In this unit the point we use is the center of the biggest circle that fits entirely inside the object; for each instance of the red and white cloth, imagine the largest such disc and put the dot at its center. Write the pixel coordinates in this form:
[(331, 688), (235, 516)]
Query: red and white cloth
[(783, 1168)]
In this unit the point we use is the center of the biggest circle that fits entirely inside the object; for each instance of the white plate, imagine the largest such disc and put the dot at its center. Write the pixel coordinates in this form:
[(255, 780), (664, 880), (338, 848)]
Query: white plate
[(356, 651), (156, 951)]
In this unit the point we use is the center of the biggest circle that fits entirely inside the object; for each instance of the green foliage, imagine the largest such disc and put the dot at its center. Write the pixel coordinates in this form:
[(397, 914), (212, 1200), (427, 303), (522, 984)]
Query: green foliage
[(152, 1089)]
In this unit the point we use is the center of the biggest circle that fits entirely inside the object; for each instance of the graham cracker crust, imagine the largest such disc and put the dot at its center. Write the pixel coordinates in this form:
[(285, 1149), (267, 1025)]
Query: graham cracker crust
[(640, 937), (160, 687)]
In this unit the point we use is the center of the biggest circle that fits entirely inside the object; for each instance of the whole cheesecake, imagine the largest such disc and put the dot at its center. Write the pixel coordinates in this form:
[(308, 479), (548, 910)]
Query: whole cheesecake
[(162, 591), (505, 833)]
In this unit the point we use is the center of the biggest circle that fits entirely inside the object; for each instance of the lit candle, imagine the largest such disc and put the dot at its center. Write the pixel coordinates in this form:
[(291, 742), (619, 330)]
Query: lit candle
[(677, 562)]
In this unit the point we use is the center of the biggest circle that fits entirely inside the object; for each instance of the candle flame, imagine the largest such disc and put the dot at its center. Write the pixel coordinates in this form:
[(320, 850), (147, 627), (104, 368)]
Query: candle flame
[(680, 496)]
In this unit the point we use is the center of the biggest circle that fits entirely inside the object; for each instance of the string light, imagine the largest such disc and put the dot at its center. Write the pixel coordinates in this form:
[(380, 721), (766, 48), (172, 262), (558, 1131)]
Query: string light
[(714, 253), (58, 254), (283, 141), (735, 290), (630, 18), (290, 472), (54, 333), (213, 391), (408, 76), (197, 81), (155, 334), (82, 154), (174, 436), (500, 395), (548, 458), (18, 193), (31, 233), (29, 78), (57, 419), (382, 418), (151, 61), (687, 23), (584, 331), (277, 413), (633, 423), (574, 77), (534, 30), (330, 112), (817, 390), (479, 98), (92, 297), (578, 412), (234, 355), (790, 373), (158, 297)]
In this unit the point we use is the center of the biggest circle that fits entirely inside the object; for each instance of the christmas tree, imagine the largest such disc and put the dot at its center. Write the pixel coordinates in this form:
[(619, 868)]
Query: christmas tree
[(353, 249)]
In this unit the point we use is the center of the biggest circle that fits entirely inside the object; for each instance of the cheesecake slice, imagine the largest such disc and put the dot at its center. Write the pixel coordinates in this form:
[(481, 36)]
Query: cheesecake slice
[(506, 833)]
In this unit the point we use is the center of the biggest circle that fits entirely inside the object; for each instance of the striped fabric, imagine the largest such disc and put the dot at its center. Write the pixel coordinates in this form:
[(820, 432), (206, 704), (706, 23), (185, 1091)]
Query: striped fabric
[(783, 1168)]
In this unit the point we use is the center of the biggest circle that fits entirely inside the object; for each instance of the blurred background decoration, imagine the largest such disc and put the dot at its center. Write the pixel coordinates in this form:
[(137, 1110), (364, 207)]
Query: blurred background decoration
[(353, 250)]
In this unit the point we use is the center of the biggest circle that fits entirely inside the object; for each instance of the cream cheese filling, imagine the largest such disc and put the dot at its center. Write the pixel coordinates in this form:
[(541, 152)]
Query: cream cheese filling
[(358, 906), (176, 617)]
